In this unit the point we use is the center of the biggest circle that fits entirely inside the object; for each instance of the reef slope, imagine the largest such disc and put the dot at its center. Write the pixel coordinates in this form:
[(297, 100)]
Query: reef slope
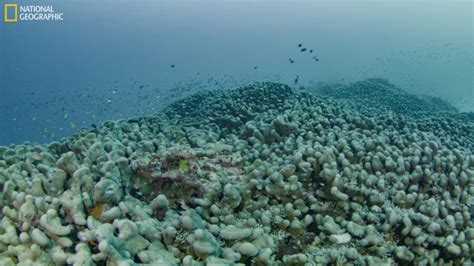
[(261, 175)]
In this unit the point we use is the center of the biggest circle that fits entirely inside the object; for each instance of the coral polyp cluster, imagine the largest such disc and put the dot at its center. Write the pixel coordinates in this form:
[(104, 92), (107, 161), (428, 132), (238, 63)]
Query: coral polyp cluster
[(260, 175)]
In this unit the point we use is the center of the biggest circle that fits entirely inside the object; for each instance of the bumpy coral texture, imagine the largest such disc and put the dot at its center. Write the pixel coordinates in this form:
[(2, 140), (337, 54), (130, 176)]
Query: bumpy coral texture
[(260, 175)]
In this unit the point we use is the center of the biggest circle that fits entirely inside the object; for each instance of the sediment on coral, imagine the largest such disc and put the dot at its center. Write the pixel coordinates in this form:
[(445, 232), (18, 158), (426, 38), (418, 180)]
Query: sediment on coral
[(261, 175)]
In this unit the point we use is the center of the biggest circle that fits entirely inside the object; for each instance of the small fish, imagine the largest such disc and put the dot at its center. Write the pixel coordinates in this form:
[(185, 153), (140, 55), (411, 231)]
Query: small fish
[(291, 60), (141, 86), (172, 66), (73, 125), (296, 79), (299, 45), (311, 51), (255, 67), (94, 126), (303, 49)]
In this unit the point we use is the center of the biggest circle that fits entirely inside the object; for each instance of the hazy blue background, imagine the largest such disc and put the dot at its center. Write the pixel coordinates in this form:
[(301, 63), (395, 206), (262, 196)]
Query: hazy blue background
[(111, 59)]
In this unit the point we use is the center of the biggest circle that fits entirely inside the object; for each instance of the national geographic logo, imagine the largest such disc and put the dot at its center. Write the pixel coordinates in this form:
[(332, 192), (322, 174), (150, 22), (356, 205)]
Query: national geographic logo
[(15, 13), (10, 13)]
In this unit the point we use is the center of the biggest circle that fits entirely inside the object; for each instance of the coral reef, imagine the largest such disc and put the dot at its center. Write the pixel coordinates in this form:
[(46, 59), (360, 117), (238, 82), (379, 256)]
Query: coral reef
[(381, 94), (261, 175)]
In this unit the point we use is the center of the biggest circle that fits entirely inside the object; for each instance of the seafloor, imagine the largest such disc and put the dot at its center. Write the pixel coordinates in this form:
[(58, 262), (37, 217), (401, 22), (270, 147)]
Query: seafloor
[(360, 174)]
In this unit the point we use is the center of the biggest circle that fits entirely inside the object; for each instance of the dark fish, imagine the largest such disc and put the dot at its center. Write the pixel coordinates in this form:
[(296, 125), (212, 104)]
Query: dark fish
[(303, 49), (255, 67), (311, 51), (172, 66), (291, 60), (94, 126), (299, 45), (141, 86), (296, 79)]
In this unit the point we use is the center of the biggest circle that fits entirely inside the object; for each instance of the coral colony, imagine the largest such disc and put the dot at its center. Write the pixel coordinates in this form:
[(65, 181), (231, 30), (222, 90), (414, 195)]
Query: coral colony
[(260, 175)]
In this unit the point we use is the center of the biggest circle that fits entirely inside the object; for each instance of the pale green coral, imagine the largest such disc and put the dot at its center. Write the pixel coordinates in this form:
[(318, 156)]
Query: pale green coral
[(261, 175)]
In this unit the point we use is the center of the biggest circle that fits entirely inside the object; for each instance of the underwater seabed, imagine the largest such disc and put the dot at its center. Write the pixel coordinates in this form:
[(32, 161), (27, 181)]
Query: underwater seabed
[(261, 175)]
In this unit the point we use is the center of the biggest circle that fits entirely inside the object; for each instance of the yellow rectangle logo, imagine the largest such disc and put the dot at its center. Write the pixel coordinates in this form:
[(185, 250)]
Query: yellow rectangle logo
[(10, 18)]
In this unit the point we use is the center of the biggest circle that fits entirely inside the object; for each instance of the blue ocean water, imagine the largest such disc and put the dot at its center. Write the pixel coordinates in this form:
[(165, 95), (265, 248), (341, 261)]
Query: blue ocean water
[(117, 59)]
